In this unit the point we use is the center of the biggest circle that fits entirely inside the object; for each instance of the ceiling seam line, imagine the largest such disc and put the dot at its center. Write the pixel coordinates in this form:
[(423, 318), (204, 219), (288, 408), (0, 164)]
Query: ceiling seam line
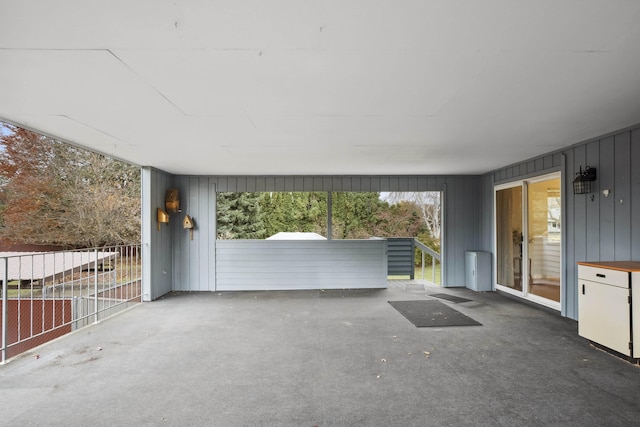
[(147, 82)]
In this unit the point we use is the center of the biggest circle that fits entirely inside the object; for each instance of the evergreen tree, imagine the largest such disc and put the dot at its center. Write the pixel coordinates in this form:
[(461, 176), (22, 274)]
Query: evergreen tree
[(294, 212), (239, 216), (354, 214)]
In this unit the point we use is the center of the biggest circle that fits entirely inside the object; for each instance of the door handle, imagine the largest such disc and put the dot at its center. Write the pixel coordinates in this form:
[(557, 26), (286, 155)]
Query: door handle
[(583, 289)]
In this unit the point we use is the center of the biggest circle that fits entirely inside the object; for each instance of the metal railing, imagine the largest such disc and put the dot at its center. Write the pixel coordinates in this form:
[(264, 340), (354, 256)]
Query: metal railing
[(46, 295), (435, 256)]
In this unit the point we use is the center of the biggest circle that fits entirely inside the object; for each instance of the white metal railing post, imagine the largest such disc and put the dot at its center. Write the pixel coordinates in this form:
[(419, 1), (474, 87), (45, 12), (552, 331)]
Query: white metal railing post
[(329, 215), (5, 308), (95, 285), (435, 256), (433, 269)]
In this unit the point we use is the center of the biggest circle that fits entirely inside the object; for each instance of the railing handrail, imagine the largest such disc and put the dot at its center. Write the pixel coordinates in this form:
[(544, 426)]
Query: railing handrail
[(106, 248), (435, 256), (426, 249)]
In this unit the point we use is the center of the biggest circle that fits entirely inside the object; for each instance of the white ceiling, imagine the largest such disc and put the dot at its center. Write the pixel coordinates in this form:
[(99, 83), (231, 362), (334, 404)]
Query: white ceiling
[(290, 87)]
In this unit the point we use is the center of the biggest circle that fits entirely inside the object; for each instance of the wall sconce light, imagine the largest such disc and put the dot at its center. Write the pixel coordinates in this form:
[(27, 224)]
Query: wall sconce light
[(583, 180), (188, 224), (172, 201), (163, 217)]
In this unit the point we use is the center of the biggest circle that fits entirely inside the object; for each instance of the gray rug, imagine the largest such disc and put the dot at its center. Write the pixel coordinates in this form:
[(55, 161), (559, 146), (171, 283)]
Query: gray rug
[(430, 314), (451, 298)]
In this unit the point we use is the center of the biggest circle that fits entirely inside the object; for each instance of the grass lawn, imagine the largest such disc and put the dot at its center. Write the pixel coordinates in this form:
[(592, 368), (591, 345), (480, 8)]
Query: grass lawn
[(13, 291), (24, 293)]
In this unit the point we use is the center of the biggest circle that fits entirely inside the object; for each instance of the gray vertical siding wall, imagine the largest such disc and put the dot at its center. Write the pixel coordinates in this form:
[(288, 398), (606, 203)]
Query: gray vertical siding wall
[(461, 226), (598, 229), (605, 228), (194, 266), (193, 261), (156, 245)]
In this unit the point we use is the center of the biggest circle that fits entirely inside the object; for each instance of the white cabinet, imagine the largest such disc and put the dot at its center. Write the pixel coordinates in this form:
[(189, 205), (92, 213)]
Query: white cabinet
[(606, 312), (478, 271)]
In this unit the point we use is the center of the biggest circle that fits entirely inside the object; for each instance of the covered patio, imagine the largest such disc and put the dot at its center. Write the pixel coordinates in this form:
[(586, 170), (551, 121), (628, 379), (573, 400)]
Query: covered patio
[(320, 358), (463, 98)]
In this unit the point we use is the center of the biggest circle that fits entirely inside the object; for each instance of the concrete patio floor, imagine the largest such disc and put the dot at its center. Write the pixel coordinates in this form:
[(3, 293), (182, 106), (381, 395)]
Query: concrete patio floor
[(313, 358)]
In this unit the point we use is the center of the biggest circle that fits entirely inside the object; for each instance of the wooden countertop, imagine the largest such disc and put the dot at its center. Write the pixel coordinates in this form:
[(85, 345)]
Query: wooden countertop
[(627, 266)]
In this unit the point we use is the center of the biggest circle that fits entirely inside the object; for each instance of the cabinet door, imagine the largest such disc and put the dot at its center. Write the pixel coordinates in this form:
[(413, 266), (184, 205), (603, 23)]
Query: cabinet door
[(635, 312), (470, 270), (604, 312)]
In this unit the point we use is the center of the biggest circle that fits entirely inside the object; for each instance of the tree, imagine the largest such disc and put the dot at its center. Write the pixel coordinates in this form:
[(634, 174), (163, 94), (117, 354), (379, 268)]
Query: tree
[(428, 203), (354, 214), (53, 193), (103, 196), (399, 220), (239, 216), (294, 212)]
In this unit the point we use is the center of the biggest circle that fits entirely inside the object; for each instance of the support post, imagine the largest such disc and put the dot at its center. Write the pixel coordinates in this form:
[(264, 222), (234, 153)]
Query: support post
[(329, 215)]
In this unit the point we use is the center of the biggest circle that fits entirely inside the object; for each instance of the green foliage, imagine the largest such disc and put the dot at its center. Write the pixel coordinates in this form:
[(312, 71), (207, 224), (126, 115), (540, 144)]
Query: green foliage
[(399, 220), (355, 215), (239, 216), (294, 211), (430, 241)]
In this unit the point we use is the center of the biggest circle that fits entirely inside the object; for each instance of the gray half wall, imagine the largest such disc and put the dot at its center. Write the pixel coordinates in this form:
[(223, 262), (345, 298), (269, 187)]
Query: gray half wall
[(298, 264)]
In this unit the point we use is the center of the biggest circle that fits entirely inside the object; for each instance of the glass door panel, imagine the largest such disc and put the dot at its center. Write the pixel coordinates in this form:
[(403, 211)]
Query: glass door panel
[(543, 243), (509, 237)]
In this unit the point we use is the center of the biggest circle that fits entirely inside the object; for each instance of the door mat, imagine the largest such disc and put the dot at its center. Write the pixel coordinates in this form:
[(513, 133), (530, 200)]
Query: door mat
[(429, 314), (451, 298)]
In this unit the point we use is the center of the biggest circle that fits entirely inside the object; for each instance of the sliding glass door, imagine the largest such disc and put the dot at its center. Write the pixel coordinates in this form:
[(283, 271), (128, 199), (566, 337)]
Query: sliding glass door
[(543, 244), (528, 230)]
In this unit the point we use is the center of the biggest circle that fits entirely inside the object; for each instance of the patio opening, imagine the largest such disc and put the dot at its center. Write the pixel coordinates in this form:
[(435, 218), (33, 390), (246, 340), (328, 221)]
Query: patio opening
[(410, 221)]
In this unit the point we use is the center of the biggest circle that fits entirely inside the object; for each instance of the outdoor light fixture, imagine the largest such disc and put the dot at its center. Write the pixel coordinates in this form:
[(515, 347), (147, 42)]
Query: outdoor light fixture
[(187, 224), (163, 217), (172, 201), (583, 180)]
